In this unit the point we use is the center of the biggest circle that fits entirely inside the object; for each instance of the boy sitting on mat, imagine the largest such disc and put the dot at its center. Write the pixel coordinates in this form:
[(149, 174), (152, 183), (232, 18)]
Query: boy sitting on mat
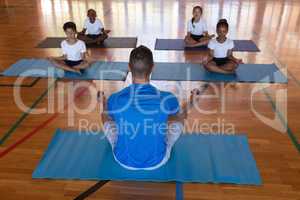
[(74, 58), (141, 122), (94, 28)]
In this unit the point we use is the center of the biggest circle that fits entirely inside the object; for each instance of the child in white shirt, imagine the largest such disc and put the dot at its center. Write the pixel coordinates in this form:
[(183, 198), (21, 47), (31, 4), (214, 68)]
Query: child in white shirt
[(74, 52), (221, 59), (93, 30), (197, 33)]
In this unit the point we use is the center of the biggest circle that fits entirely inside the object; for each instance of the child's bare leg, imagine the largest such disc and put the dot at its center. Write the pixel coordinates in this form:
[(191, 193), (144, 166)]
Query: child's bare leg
[(61, 64), (101, 38), (86, 39), (230, 66), (206, 59), (83, 65), (212, 67), (204, 41), (190, 42), (90, 60)]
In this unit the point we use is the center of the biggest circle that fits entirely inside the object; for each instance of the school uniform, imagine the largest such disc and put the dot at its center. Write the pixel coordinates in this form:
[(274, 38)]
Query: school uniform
[(73, 52), (221, 50), (94, 30), (197, 29)]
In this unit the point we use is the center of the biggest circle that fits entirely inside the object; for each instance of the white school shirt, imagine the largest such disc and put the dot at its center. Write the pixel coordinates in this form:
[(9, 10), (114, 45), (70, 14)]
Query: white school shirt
[(93, 28), (220, 49), (197, 28), (73, 51)]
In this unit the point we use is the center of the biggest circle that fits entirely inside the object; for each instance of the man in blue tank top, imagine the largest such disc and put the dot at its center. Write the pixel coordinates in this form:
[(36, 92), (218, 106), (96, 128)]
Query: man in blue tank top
[(138, 119)]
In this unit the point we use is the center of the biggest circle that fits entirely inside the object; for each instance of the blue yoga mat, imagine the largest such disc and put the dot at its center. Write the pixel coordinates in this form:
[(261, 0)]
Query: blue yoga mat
[(257, 73), (43, 68), (179, 45), (194, 158), (111, 42)]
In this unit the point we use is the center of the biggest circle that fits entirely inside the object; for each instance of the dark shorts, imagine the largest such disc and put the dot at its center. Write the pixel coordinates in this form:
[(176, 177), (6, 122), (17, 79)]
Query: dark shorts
[(72, 63), (221, 61), (197, 37), (94, 37)]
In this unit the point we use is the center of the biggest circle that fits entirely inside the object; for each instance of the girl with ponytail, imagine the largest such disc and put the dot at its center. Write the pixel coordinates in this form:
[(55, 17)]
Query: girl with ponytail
[(197, 34)]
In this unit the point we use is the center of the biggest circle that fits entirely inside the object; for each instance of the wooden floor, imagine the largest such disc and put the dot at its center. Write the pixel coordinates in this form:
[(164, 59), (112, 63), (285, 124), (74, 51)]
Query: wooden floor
[(273, 24)]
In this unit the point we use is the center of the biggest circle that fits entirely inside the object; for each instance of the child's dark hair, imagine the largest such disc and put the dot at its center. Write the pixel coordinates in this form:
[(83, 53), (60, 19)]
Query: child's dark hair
[(195, 8), (222, 23), (91, 10), (69, 25), (141, 61)]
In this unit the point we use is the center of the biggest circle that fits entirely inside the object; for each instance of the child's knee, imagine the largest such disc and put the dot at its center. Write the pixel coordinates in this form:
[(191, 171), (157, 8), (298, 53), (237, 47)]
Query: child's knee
[(186, 40), (105, 35), (232, 66), (205, 39), (208, 67), (80, 36)]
